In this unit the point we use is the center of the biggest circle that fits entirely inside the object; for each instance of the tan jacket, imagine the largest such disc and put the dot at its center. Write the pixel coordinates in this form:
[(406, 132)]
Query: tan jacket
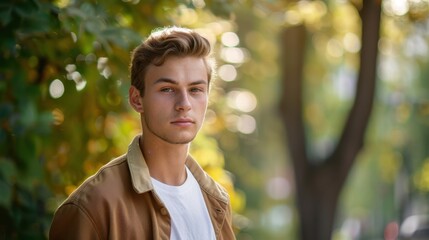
[(119, 202)]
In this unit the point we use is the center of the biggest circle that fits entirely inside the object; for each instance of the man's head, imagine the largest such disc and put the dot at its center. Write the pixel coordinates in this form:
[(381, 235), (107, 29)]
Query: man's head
[(165, 43), (170, 77)]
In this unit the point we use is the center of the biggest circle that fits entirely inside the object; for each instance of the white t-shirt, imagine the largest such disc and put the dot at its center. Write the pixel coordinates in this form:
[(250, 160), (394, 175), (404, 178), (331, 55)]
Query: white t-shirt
[(190, 219)]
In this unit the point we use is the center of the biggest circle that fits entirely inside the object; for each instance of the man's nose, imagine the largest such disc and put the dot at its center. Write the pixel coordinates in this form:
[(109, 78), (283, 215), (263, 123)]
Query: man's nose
[(183, 103)]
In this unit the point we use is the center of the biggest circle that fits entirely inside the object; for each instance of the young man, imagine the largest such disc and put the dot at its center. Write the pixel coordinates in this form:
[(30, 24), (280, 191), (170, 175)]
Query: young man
[(156, 190)]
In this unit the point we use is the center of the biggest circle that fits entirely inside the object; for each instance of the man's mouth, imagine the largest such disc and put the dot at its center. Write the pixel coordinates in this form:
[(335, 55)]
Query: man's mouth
[(183, 122)]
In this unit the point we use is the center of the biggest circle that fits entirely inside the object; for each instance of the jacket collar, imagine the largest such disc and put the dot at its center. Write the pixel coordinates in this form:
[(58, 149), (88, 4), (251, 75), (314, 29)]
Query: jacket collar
[(139, 170), (142, 182)]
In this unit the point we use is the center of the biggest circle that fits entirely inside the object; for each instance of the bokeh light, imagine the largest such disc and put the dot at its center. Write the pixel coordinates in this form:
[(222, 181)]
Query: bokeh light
[(334, 48), (242, 100), (421, 178), (278, 188), (73, 36), (58, 116), (227, 72), (396, 7), (246, 124), (73, 74), (80, 85), (350, 228), (351, 42), (230, 39), (70, 68), (233, 55), (103, 68), (56, 88), (293, 17), (412, 224), (231, 122), (199, 3), (278, 217)]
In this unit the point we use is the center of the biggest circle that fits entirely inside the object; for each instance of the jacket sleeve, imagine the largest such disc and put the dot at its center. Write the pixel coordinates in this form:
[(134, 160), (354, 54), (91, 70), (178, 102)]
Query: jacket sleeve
[(71, 222)]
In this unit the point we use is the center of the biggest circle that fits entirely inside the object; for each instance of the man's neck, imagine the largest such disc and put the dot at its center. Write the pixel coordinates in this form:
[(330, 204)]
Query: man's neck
[(166, 162)]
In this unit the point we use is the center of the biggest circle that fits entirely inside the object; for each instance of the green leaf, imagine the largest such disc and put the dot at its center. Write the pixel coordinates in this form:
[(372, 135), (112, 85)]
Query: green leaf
[(25, 198), (7, 170), (94, 26), (74, 12), (7, 44), (26, 8), (88, 9), (7, 177), (6, 110), (28, 113), (3, 137), (121, 37), (44, 122), (36, 23), (5, 15), (27, 151), (6, 194), (18, 83)]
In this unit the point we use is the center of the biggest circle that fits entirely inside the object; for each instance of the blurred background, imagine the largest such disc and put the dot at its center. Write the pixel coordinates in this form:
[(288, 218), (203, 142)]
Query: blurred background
[(64, 110)]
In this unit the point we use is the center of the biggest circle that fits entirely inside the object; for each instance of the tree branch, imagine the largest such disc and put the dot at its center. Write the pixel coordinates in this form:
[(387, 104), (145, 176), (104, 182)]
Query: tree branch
[(353, 134), (293, 43)]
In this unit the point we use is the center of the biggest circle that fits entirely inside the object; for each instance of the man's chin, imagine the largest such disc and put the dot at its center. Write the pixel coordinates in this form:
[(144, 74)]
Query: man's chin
[(180, 140), (183, 142)]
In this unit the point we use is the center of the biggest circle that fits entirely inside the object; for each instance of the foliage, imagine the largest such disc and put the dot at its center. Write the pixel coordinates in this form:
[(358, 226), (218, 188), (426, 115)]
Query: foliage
[(24, 124), (63, 107)]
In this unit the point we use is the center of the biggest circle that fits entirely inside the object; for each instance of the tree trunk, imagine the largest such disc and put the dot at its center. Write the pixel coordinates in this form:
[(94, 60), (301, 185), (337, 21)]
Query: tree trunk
[(318, 186)]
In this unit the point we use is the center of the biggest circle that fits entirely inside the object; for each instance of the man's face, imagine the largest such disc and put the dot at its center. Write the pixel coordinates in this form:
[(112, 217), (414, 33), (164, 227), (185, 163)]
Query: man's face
[(175, 100)]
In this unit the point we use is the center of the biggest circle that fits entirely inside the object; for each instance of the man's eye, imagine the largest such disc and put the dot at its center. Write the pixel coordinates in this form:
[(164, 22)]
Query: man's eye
[(166, 90), (196, 90)]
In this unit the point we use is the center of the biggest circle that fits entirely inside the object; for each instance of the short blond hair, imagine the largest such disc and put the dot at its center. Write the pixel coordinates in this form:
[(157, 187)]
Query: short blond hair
[(166, 42)]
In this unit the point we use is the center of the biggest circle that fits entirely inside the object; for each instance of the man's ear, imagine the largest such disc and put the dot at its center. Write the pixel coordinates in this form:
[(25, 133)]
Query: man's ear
[(136, 101)]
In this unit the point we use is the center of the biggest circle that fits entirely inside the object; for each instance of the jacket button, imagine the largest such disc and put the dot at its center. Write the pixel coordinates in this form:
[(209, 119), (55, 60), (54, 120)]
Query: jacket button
[(164, 211)]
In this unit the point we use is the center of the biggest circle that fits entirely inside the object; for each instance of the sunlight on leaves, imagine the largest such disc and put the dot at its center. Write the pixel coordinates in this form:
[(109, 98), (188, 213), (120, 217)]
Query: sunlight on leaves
[(390, 164), (421, 178)]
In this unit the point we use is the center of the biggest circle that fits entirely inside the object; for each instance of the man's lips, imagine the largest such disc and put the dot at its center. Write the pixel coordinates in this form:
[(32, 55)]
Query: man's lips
[(183, 122)]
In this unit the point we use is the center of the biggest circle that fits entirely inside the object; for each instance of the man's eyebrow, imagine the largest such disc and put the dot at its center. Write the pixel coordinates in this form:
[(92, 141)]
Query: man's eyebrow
[(199, 82), (165, 80), (168, 80)]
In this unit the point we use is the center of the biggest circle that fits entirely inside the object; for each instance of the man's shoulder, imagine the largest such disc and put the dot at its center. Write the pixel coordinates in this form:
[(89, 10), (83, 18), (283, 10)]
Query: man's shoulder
[(221, 191), (109, 181), (206, 182)]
